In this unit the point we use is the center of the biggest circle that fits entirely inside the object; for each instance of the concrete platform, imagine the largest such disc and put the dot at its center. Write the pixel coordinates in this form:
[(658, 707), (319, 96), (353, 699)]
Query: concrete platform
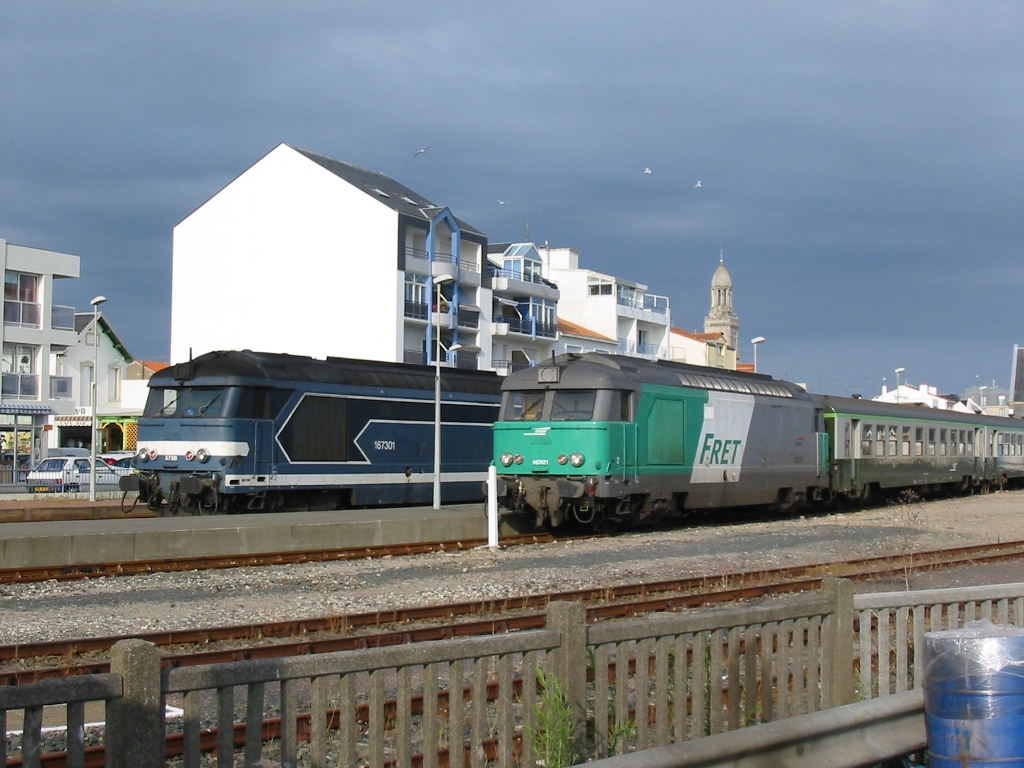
[(36, 544)]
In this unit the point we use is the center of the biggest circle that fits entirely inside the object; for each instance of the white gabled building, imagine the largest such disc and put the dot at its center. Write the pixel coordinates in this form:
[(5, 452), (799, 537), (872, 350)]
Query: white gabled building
[(313, 256), (609, 306)]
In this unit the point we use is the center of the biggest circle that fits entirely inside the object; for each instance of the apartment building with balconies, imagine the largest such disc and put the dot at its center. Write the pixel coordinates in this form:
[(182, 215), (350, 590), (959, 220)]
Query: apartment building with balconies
[(35, 334), (524, 328), (609, 306), (309, 255)]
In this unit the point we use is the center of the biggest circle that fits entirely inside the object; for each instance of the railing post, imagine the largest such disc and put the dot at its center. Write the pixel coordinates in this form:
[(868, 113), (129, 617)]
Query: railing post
[(570, 661), (840, 642), (135, 722)]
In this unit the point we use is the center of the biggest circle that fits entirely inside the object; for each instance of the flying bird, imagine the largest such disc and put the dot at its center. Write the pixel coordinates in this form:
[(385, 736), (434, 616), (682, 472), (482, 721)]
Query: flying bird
[(697, 185), (421, 151), (503, 202), (648, 170)]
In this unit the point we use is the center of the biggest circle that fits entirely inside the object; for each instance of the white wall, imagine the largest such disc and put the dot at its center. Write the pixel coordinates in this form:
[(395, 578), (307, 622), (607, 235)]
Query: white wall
[(287, 258)]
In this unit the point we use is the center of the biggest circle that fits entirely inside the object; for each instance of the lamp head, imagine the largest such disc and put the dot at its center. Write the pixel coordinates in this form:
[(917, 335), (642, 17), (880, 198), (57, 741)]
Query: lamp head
[(757, 340), (900, 370), (98, 300), (441, 279)]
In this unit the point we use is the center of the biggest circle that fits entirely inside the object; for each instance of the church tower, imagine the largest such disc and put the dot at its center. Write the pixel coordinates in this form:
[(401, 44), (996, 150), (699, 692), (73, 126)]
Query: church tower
[(721, 318)]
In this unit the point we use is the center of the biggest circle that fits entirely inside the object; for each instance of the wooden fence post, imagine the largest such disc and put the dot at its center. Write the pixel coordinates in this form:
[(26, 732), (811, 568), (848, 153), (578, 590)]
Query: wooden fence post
[(570, 661), (135, 721), (840, 642)]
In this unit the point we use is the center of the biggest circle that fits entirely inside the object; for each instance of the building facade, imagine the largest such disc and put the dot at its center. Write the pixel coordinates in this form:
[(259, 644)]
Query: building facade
[(313, 256), (609, 306)]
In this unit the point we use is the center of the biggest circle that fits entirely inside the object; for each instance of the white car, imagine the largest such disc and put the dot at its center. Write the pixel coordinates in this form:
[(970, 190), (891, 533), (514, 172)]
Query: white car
[(60, 474)]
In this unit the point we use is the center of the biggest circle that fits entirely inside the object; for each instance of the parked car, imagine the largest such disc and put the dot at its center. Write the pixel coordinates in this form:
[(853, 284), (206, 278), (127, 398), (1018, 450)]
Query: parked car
[(116, 457), (59, 474)]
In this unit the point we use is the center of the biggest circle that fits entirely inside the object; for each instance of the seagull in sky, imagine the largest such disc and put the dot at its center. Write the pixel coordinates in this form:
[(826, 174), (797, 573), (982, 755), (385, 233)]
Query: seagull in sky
[(697, 185), (648, 170), (421, 151), (503, 202)]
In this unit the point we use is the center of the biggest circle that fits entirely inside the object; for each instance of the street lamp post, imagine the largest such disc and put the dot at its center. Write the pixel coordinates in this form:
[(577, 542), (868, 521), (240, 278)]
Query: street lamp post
[(95, 372), (439, 280), (981, 395), (755, 341), (898, 372)]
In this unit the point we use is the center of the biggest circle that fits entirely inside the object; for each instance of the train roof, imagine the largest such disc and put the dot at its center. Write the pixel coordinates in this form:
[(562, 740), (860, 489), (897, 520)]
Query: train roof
[(855, 406), (595, 370), (247, 367)]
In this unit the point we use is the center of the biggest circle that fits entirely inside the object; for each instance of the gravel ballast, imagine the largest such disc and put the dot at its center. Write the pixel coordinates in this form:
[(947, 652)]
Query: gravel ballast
[(125, 605)]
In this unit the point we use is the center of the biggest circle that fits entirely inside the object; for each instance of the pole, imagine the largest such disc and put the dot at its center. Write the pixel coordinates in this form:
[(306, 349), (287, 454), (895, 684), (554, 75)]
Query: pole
[(492, 507), (95, 374), (437, 401)]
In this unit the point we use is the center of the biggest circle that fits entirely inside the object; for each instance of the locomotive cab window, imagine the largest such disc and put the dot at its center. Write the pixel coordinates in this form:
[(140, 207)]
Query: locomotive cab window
[(573, 404), (523, 406), (187, 402)]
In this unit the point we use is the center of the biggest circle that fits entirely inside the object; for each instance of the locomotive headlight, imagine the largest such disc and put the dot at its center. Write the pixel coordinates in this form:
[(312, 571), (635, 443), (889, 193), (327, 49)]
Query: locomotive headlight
[(562, 458), (143, 455), (153, 454), (518, 458), (189, 455), (202, 455), (577, 459), (506, 459)]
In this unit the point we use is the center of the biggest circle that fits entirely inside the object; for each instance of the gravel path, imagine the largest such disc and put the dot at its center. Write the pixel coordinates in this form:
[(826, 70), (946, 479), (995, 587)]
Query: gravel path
[(123, 605)]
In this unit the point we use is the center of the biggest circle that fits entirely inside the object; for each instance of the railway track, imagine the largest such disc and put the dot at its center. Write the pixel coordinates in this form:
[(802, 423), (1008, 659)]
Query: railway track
[(365, 630), (138, 567)]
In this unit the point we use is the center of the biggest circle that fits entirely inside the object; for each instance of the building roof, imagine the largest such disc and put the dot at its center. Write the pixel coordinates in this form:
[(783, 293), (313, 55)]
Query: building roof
[(84, 319), (571, 329), (721, 278), (710, 338), (386, 190)]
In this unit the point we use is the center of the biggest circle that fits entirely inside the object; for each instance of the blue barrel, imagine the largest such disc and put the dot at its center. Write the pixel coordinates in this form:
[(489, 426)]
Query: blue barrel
[(974, 696)]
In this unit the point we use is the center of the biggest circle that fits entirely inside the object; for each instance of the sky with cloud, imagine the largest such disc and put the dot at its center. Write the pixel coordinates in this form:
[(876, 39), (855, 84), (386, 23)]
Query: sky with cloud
[(861, 163)]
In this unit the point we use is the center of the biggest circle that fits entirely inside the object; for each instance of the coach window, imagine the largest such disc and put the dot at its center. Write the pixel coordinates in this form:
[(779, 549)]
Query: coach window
[(904, 441), (880, 440), (892, 441), (931, 441), (865, 441), (919, 441), (943, 445)]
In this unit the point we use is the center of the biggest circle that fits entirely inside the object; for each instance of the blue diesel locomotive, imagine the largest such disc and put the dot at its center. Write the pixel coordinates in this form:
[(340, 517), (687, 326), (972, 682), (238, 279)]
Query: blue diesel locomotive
[(253, 432)]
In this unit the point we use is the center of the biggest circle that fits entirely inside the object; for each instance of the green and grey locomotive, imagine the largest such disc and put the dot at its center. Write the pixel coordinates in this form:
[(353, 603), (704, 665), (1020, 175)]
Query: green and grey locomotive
[(604, 439)]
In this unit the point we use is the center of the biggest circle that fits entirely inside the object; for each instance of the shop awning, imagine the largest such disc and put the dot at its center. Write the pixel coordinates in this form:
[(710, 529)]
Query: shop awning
[(73, 421), (24, 409)]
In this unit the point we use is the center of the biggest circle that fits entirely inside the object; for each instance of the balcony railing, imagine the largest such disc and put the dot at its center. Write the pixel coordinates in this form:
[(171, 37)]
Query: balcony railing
[(62, 318), (61, 387), (525, 326), (651, 303), (469, 318), (465, 262), (509, 366), (514, 275), (416, 310), (24, 386), (23, 313), (630, 347), (415, 356)]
